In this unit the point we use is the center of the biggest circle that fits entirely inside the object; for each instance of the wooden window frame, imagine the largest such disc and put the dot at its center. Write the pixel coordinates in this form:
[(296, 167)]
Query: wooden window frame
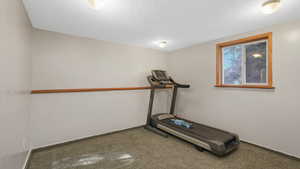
[(219, 61)]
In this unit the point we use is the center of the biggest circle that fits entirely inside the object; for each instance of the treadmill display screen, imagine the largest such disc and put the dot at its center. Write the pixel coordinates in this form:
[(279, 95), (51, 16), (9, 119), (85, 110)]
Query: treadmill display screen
[(160, 75)]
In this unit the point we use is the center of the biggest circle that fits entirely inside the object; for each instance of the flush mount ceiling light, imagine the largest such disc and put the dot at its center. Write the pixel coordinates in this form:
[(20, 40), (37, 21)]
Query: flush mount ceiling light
[(257, 55), (95, 4), (162, 44), (270, 6)]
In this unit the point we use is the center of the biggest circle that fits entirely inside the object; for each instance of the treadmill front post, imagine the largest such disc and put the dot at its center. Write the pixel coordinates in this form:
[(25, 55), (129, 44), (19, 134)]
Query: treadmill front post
[(148, 123), (150, 106), (173, 100)]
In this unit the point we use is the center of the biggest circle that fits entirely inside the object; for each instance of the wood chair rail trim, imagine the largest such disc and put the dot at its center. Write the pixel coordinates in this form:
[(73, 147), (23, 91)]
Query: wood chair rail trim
[(88, 90)]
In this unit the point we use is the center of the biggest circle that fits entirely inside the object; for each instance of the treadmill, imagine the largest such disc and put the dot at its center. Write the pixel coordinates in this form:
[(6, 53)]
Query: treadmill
[(203, 137)]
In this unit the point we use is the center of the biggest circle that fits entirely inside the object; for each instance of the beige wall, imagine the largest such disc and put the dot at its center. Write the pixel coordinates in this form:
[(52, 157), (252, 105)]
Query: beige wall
[(61, 61), (265, 117), (15, 62)]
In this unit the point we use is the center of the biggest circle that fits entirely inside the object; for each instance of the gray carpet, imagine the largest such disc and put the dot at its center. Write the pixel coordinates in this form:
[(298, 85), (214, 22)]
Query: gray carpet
[(142, 149)]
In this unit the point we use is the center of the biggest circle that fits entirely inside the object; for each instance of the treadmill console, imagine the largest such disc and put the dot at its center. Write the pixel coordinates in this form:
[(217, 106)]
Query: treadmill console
[(160, 79), (160, 75)]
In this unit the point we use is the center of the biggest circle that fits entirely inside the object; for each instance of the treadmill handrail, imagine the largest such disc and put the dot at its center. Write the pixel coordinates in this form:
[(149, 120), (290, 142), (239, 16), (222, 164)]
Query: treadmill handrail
[(179, 85), (158, 84)]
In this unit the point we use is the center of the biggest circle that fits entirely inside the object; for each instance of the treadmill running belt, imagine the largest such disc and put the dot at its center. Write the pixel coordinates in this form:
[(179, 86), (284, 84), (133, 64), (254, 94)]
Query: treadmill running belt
[(200, 131)]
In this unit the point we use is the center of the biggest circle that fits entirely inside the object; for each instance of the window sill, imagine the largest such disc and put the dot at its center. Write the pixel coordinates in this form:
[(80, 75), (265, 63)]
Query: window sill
[(246, 86)]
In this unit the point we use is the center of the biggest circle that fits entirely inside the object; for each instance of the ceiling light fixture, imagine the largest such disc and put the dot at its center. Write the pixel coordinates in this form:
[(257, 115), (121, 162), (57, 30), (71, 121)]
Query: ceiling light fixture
[(257, 55), (162, 44), (95, 4), (270, 6)]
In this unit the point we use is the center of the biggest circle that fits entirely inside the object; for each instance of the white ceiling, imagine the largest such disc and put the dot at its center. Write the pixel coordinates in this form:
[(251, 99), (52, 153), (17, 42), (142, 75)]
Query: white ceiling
[(142, 22)]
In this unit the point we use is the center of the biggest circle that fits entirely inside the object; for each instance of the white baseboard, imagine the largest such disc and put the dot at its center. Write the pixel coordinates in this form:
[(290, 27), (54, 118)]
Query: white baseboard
[(27, 159), (85, 137), (272, 149)]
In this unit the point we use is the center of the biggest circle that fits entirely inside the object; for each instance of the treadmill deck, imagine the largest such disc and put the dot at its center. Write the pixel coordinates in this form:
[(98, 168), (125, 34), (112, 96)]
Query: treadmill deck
[(197, 130)]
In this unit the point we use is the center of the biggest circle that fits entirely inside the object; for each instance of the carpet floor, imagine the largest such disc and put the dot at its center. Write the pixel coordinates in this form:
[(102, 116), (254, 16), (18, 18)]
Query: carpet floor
[(142, 149)]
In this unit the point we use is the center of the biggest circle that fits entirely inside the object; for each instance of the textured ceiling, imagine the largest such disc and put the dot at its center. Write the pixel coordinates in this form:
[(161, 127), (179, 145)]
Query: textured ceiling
[(142, 22)]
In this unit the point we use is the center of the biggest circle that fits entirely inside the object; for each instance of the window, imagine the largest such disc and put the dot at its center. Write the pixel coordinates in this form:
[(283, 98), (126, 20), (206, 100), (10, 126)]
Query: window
[(245, 63)]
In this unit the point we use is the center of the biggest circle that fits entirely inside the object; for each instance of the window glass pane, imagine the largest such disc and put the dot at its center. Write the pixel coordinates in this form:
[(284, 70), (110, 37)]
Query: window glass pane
[(232, 65), (256, 63)]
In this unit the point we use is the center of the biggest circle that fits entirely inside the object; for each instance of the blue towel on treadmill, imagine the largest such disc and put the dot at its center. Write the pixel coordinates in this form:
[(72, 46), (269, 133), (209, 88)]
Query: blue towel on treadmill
[(181, 123)]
